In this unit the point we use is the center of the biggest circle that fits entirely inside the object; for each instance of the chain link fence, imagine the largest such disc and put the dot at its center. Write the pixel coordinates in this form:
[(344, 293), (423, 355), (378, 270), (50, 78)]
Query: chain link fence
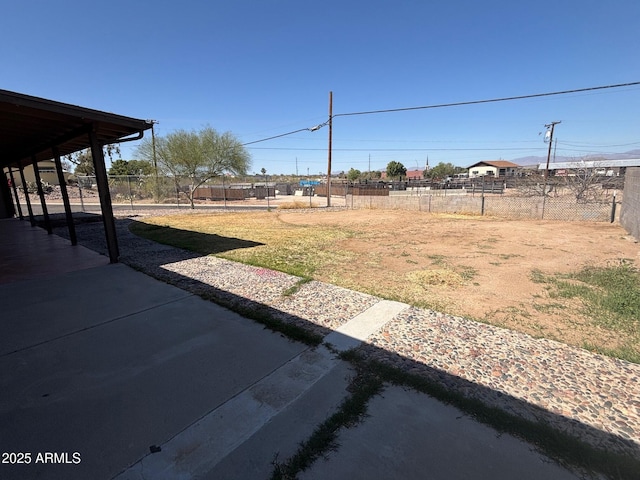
[(565, 199), (177, 190), (586, 198)]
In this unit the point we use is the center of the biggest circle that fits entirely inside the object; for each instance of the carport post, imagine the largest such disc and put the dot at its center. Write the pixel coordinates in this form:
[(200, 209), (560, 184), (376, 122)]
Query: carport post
[(45, 212), (65, 197), (105, 198), (26, 196), (15, 193)]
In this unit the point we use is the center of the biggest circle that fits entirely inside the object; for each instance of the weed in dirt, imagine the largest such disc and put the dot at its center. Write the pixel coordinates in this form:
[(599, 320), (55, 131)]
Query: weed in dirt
[(296, 287), (625, 352), (610, 294), (439, 260), (549, 307), (610, 298), (507, 256), (467, 273)]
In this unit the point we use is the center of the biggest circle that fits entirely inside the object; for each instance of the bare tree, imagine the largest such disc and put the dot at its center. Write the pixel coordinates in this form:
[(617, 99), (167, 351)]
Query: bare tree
[(584, 183)]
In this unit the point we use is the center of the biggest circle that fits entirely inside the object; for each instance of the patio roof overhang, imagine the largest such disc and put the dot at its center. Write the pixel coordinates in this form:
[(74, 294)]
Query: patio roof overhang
[(33, 129), (30, 127)]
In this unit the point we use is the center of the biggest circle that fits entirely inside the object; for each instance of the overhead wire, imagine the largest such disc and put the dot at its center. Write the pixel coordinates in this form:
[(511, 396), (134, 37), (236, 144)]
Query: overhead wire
[(276, 136), (391, 149), (493, 100), (444, 105)]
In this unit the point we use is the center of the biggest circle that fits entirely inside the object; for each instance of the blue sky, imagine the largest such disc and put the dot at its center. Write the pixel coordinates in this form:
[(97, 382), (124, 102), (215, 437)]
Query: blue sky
[(262, 68)]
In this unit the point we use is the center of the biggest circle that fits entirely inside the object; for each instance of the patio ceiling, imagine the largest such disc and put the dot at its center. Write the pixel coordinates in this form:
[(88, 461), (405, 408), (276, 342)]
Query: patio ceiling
[(30, 127)]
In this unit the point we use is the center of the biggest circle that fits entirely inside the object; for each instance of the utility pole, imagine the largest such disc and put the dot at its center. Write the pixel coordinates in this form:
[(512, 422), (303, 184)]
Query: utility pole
[(155, 162), (550, 126), (329, 154)]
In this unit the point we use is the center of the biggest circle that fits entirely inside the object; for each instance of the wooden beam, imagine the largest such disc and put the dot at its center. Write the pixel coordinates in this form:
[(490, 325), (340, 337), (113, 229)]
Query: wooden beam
[(26, 196), (45, 212), (15, 193), (105, 197), (65, 196)]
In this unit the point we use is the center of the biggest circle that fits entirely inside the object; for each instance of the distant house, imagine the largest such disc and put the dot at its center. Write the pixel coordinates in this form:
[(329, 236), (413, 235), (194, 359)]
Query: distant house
[(497, 168), (411, 175), (47, 169), (415, 174)]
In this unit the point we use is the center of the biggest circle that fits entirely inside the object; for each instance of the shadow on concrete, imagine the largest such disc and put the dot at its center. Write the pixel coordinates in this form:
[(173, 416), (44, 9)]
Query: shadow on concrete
[(91, 236)]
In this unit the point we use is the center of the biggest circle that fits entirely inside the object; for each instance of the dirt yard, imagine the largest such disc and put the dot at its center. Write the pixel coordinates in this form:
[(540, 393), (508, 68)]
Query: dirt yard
[(479, 268)]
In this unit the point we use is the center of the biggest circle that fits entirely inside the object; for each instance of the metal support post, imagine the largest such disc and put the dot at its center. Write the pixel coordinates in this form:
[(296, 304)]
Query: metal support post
[(43, 203)]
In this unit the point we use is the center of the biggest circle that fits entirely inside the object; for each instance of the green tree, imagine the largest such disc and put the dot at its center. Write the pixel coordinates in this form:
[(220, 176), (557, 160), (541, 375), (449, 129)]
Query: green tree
[(131, 167), (443, 170), (396, 170), (353, 174), (197, 156), (83, 160), (119, 167)]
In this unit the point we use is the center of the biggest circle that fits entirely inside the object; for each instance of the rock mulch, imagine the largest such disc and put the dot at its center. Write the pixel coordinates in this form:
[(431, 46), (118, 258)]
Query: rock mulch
[(590, 396), (593, 397)]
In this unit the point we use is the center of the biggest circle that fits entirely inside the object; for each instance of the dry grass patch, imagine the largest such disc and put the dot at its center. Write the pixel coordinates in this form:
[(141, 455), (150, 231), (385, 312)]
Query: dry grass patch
[(299, 250), (295, 205), (438, 277)]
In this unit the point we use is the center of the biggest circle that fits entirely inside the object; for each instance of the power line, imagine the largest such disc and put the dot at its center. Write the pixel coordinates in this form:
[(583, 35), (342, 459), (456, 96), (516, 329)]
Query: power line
[(443, 105), (493, 100), (393, 149), (278, 136), (583, 145)]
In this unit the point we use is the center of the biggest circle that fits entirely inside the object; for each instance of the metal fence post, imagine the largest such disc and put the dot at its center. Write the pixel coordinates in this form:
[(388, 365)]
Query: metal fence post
[(130, 194), (482, 199), (613, 208)]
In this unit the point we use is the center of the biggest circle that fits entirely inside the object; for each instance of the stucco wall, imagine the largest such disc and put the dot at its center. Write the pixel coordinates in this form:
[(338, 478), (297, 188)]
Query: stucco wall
[(630, 213)]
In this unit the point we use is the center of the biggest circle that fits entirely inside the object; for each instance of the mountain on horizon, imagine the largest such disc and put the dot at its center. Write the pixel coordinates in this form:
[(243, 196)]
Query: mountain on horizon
[(533, 160)]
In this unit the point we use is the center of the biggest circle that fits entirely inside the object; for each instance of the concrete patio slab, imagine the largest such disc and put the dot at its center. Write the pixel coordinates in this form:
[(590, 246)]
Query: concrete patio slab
[(408, 435), (28, 252), (52, 307), (112, 391)]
